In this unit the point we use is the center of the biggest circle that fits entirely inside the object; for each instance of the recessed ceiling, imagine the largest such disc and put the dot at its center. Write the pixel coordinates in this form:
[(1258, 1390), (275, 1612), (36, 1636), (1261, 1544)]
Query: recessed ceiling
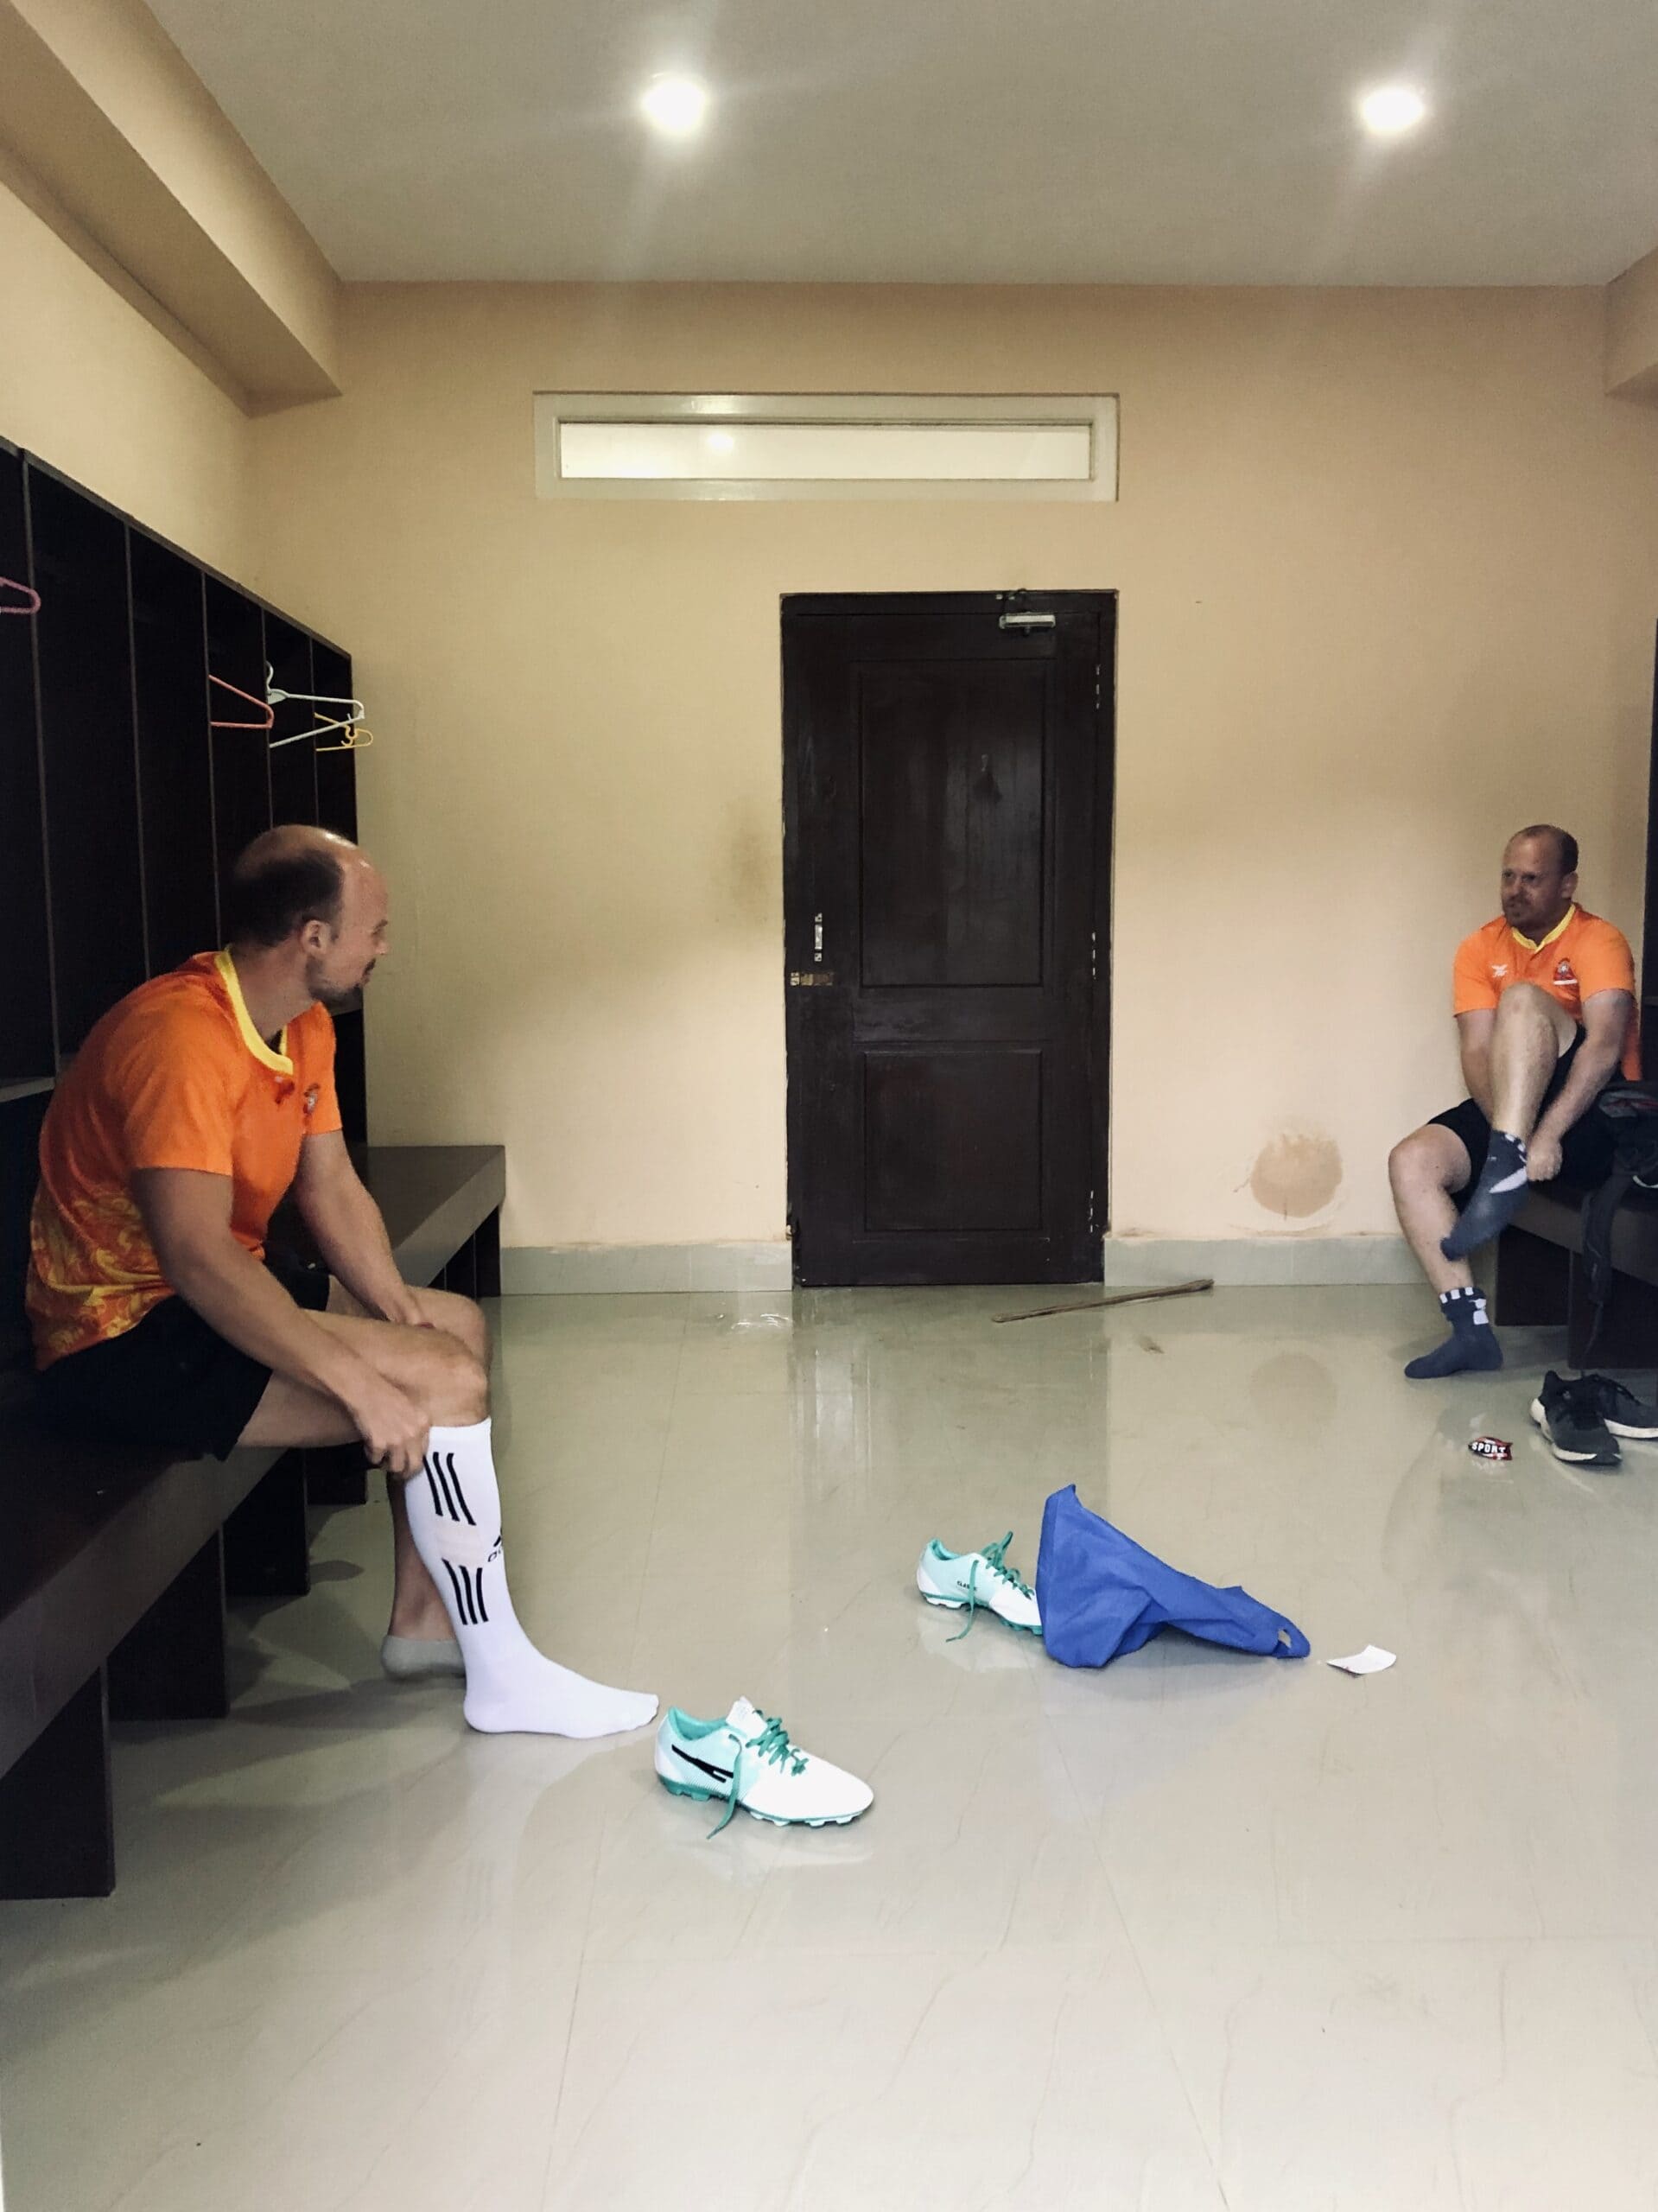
[(950, 141)]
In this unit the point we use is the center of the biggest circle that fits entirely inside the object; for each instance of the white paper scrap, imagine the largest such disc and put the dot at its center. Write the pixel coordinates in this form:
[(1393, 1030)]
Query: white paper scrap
[(1370, 1661)]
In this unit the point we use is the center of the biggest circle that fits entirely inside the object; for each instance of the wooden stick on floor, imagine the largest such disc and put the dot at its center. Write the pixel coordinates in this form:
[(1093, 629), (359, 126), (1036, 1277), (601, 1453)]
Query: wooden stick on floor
[(1116, 1298)]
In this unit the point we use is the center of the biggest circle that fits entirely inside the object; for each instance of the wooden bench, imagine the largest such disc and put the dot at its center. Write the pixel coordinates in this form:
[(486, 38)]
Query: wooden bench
[(1540, 1282), (115, 1564)]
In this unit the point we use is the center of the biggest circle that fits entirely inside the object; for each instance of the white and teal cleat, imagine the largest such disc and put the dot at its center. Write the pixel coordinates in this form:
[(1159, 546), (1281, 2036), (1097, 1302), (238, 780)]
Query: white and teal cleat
[(964, 1581), (748, 1760)]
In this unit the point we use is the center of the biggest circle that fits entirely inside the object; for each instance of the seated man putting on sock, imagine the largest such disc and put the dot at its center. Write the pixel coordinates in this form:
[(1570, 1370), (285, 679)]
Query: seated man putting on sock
[(159, 1317), (1544, 1006)]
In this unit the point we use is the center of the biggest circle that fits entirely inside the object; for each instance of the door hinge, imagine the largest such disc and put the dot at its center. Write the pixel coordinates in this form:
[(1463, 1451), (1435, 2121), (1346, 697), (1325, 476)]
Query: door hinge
[(1094, 956), (1091, 1222), (1096, 687)]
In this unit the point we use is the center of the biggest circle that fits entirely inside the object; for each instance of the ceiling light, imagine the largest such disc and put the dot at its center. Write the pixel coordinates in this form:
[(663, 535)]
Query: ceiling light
[(1391, 109), (675, 104), (721, 442)]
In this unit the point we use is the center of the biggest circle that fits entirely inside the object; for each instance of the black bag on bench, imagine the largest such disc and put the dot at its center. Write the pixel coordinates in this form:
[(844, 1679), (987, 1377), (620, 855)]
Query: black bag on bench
[(1632, 1110)]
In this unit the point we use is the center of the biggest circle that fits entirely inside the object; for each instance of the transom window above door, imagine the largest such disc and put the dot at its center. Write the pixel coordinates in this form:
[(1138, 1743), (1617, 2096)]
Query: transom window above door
[(844, 446)]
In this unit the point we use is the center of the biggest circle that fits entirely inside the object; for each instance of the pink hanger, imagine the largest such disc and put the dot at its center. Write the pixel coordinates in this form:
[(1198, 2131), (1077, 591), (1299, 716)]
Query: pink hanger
[(264, 705), (30, 593)]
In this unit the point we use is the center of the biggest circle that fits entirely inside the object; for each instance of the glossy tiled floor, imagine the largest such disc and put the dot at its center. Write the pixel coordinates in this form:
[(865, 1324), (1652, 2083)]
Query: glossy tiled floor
[(1199, 1932)]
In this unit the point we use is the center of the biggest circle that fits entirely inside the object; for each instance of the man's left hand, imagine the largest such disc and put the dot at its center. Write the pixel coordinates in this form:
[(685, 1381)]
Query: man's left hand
[(1542, 1158), (405, 1310)]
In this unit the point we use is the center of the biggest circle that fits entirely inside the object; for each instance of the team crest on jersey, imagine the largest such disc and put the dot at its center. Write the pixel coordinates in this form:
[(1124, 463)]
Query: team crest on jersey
[(1564, 973)]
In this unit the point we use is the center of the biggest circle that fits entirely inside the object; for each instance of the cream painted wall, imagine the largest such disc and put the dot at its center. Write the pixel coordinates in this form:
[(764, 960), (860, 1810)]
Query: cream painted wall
[(93, 387), (119, 55), (1632, 330), (1388, 567)]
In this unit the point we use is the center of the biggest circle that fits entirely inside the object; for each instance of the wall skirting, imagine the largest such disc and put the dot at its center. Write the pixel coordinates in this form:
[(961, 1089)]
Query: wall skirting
[(1131, 1261), (540, 1267)]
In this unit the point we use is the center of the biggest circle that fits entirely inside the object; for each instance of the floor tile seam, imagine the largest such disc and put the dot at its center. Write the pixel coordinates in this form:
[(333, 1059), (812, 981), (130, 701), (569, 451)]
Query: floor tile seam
[(953, 1962), (125, 2193), (965, 1961), (648, 1538), (1648, 2027), (600, 1836), (647, 1543), (618, 2076), (125, 2190), (205, 1938), (1360, 1946), (1210, 2151)]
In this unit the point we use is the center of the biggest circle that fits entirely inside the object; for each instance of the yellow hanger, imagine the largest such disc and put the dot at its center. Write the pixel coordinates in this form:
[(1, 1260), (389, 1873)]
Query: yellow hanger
[(357, 740)]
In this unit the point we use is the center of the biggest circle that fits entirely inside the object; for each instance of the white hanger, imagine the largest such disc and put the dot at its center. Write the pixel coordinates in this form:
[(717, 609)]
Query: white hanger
[(356, 712)]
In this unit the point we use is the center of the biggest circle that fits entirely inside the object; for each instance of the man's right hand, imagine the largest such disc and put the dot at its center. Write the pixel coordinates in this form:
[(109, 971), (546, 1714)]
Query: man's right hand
[(394, 1429)]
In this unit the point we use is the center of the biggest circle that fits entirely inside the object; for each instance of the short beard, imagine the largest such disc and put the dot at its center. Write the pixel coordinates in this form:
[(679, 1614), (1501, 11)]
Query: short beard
[(333, 999)]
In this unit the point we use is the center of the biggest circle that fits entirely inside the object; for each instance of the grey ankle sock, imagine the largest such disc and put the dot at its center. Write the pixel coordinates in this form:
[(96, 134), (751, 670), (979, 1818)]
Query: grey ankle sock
[(414, 1658), (1472, 1345)]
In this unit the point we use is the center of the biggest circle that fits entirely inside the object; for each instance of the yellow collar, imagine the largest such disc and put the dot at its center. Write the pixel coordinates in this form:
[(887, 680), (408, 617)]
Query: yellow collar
[(278, 1061), (1559, 929)]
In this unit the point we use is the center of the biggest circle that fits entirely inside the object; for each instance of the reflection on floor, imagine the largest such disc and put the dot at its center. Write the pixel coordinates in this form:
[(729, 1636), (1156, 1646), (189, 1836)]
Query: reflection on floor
[(1199, 1932)]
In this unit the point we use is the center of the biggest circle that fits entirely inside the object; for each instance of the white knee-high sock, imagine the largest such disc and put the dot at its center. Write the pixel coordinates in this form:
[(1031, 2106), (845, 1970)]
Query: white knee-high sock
[(455, 1516)]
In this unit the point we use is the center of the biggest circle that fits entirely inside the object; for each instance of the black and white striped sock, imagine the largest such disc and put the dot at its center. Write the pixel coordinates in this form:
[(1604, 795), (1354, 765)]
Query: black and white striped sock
[(455, 1516)]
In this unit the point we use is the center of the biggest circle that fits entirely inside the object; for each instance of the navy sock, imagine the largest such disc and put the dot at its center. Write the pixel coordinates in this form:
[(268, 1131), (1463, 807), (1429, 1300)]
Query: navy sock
[(1471, 1347), (1499, 1196)]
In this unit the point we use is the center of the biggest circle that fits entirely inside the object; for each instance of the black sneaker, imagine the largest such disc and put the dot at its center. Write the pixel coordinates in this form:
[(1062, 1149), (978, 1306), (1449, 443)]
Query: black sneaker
[(1623, 1414), (1569, 1416)]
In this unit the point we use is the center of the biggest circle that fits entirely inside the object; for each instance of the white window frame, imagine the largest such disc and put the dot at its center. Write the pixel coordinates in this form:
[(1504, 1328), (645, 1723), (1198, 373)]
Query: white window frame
[(553, 409)]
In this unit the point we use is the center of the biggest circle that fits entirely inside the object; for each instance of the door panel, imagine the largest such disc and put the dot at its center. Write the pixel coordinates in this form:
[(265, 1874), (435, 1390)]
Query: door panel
[(951, 763), (953, 1140), (948, 816)]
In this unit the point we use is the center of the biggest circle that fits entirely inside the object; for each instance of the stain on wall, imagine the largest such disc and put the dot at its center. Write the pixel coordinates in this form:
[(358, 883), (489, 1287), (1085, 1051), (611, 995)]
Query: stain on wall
[(752, 872), (1297, 1174)]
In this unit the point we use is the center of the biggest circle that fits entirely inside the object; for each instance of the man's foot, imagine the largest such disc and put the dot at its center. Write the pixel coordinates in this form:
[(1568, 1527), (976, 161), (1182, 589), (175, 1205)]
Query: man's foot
[(1623, 1414), (1458, 1355), (1499, 1196), (1569, 1416), (417, 1658), (1471, 1347), (532, 1695)]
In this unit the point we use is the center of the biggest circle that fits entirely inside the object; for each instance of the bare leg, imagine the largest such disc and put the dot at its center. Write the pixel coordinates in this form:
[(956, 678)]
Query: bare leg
[(512, 1687), (1529, 1038), (418, 1610), (1532, 1032), (438, 1369), (1425, 1169)]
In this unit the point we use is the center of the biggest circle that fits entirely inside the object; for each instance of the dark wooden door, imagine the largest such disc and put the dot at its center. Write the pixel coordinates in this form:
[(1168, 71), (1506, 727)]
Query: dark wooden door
[(947, 775)]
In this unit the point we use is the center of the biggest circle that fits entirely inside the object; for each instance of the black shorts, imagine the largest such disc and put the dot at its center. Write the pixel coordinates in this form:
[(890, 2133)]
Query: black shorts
[(172, 1381), (1585, 1149)]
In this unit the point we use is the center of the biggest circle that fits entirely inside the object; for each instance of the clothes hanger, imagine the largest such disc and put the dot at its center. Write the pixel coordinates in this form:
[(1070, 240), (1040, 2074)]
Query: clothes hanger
[(354, 713), (321, 729), (356, 734), (8, 583), (236, 692)]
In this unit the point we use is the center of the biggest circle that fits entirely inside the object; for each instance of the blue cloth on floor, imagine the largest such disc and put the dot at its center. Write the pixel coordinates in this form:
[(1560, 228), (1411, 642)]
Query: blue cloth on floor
[(1102, 1595)]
